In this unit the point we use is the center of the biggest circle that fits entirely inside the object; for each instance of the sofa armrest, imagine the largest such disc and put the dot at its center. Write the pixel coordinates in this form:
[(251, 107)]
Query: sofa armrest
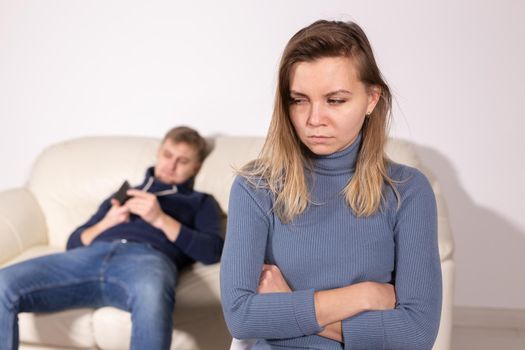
[(22, 223)]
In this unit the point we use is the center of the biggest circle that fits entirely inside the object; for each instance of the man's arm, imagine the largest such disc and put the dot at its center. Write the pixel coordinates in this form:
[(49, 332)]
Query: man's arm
[(202, 242), (117, 214), (109, 213), (146, 205)]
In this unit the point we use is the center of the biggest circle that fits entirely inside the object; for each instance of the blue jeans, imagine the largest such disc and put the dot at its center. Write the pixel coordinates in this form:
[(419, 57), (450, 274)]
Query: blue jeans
[(130, 276)]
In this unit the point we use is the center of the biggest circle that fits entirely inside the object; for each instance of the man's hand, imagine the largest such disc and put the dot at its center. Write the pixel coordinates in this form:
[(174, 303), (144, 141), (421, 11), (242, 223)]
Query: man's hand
[(145, 205), (117, 214), (272, 281)]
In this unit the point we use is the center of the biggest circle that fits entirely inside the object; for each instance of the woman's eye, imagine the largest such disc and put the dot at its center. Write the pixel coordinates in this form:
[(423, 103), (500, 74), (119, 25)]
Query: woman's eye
[(336, 101), (296, 101)]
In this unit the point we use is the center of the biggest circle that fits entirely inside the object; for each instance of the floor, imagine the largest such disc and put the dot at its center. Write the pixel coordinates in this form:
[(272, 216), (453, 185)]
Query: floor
[(487, 339), (488, 329), (481, 329)]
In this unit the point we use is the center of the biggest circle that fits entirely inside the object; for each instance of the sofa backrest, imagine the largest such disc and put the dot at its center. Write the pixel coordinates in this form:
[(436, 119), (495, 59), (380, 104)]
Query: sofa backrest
[(218, 171), (70, 179)]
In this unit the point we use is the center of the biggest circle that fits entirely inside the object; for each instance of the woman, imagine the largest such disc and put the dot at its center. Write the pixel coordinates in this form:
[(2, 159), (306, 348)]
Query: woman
[(330, 245)]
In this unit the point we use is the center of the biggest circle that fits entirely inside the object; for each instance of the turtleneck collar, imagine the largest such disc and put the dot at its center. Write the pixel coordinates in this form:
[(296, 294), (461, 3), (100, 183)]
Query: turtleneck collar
[(339, 162), (155, 185)]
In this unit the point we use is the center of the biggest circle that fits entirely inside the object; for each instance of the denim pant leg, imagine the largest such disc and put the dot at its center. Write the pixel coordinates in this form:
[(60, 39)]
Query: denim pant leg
[(49, 283), (145, 280)]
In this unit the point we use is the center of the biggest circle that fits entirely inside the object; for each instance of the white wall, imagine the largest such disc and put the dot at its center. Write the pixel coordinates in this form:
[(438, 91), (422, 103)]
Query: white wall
[(73, 68)]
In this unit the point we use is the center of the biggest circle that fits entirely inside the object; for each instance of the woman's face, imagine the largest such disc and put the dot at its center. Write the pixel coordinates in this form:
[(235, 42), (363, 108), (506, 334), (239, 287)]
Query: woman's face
[(328, 103)]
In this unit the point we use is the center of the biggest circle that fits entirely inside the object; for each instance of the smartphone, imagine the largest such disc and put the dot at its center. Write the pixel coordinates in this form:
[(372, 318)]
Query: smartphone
[(121, 196)]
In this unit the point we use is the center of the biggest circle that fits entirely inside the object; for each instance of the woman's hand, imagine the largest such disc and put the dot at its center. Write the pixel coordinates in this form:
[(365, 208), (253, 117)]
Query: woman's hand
[(333, 331), (377, 296), (333, 306), (272, 281), (341, 303)]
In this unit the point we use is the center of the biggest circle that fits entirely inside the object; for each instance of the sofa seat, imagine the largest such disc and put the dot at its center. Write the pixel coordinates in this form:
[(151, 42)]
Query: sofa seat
[(92, 329)]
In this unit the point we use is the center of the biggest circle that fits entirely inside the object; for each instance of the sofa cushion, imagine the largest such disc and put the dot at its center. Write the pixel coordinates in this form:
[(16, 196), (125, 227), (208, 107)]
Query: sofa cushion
[(19, 233), (109, 321), (197, 301), (70, 179), (218, 171), (71, 328)]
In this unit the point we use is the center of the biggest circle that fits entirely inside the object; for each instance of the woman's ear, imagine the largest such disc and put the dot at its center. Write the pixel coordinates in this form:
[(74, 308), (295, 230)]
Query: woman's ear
[(374, 94)]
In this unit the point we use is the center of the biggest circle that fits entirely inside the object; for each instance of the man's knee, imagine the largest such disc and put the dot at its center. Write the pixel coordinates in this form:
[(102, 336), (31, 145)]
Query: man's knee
[(7, 292), (153, 290), (154, 286)]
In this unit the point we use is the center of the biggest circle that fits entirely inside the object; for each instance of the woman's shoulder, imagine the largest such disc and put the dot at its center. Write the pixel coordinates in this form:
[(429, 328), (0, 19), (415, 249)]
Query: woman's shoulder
[(251, 176), (254, 187), (415, 196), (248, 194), (408, 179)]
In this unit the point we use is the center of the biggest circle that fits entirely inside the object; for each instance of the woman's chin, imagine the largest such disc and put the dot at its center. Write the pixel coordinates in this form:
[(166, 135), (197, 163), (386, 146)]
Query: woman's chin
[(321, 149)]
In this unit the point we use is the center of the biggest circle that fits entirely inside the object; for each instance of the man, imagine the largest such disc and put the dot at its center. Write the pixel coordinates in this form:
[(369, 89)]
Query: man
[(128, 254)]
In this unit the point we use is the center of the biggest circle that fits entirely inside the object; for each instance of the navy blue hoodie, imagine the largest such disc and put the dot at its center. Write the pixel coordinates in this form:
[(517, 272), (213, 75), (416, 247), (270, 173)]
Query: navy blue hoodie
[(199, 214)]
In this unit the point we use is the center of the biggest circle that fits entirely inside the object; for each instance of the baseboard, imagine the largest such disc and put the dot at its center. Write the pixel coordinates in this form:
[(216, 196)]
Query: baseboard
[(492, 318)]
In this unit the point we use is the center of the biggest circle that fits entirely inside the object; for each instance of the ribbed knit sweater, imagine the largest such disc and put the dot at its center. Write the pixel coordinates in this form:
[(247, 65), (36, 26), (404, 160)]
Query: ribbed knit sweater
[(328, 247)]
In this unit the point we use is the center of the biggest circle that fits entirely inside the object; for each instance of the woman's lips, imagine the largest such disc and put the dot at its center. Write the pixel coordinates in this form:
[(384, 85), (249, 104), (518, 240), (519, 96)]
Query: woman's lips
[(318, 138)]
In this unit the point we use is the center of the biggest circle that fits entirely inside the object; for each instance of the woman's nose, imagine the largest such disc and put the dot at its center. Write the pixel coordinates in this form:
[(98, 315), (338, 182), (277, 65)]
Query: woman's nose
[(316, 115)]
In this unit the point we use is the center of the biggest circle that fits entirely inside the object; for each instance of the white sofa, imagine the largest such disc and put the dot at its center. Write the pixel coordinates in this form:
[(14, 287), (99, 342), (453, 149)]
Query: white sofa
[(66, 185)]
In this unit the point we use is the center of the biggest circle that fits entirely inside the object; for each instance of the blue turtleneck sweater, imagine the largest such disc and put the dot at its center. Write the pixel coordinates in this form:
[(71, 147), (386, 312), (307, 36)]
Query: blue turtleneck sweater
[(199, 238), (328, 247)]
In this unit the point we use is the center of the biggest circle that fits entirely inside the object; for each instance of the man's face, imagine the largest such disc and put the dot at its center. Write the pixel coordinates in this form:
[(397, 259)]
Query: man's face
[(176, 162)]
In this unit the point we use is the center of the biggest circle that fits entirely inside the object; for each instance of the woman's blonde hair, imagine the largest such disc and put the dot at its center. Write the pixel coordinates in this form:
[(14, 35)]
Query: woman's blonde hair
[(280, 166)]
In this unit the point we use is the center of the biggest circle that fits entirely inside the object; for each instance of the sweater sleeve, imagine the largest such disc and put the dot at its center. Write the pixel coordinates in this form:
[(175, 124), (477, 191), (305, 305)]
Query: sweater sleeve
[(248, 314), (74, 240), (203, 241), (414, 322)]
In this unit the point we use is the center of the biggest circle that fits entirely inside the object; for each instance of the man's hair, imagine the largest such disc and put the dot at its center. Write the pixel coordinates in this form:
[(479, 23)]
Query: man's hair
[(191, 137)]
